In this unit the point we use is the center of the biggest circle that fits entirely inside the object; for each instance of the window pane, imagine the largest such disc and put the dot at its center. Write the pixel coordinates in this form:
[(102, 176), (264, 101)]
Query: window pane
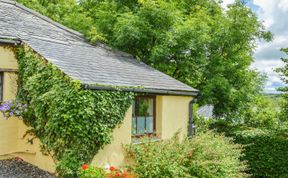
[(149, 125), (143, 115), (141, 125)]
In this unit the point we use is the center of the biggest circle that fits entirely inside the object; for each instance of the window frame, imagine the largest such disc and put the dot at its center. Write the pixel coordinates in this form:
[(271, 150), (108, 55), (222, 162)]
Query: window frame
[(153, 97)]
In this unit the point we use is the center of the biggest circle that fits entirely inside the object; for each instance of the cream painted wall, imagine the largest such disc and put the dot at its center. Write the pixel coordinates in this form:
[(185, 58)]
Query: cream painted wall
[(171, 116), (12, 131), (8, 128), (113, 154), (7, 58)]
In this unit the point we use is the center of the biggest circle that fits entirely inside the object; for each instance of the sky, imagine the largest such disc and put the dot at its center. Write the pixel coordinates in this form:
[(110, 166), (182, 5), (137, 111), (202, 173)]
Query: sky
[(274, 14)]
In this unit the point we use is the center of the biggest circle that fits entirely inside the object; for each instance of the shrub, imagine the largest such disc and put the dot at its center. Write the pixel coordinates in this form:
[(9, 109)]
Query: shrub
[(206, 155), (265, 150), (91, 172), (87, 171)]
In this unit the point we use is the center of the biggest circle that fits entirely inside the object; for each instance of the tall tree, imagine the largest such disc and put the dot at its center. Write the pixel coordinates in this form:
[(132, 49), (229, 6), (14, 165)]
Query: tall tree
[(194, 41), (284, 74)]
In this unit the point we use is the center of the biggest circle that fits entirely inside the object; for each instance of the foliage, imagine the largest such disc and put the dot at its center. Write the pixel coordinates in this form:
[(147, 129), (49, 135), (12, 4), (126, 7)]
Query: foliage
[(265, 150), (91, 172), (259, 113), (275, 100), (196, 42), (72, 123), (66, 12), (284, 73), (95, 172), (188, 158)]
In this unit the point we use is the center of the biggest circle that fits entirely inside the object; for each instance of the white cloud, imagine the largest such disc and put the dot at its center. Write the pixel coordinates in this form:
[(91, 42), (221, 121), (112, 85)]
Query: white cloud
[(267, 55), (268, 67), (283, 5)]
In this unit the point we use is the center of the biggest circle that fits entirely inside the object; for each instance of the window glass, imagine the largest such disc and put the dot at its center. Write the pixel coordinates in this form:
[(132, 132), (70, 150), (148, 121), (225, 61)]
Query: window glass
[(143, 115)]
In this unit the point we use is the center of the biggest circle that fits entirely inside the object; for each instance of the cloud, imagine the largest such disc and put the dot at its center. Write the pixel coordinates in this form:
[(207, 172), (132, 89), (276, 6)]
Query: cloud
[(267, 55), (268, 67), (271, 50)]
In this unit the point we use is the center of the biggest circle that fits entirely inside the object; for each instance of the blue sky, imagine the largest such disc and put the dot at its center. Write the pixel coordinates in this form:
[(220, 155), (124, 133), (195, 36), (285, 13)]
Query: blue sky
[(274, 14)]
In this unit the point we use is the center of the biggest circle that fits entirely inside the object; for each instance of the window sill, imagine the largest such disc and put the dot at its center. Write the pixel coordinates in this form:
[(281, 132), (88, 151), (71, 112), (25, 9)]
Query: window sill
[(144, 139)]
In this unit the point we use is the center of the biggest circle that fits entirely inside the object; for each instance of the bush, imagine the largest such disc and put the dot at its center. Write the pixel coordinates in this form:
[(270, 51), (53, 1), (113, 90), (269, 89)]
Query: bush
[(265, 150), (87, 171), (206, 155), (91, 172)]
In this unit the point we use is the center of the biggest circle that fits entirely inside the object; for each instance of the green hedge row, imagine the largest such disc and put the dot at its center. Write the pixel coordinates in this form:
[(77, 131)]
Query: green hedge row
[(266, 151)]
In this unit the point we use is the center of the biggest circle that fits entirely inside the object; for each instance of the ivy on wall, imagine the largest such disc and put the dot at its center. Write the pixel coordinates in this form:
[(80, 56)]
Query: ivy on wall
[(72, 123)]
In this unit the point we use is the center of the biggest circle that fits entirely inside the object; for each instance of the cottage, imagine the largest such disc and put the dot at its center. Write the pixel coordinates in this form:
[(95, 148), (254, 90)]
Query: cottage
[(167, 100)]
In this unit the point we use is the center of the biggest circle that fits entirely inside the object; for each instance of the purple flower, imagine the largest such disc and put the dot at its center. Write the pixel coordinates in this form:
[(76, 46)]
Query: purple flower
[(11, 113), (5, 107)]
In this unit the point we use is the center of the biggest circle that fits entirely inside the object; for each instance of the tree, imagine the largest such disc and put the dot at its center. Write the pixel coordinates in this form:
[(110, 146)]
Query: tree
[(284, 74), (194, 41)]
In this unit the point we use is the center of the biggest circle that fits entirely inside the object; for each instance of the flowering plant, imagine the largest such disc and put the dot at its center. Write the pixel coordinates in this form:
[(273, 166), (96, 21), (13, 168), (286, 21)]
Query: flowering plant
[(87, 171), (13, 108), (112, 172)]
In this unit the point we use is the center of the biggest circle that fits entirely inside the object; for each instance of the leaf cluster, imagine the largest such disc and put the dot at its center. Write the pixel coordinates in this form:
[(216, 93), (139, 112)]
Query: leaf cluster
[(72, 123), (284, 75), (206, 155), (194, 41), (265, 150)]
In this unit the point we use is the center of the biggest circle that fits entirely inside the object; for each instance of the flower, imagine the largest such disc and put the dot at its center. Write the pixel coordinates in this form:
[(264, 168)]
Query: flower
[(112, 168), (118, 174), (84, 167), (11, 113)]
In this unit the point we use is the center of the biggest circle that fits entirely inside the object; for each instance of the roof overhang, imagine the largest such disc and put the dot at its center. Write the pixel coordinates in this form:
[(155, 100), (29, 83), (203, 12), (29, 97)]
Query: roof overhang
[(10, 41), (143, 90)]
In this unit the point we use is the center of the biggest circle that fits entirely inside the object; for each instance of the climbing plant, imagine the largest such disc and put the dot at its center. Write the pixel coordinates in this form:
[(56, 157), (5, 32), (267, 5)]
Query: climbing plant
[(72, 123)]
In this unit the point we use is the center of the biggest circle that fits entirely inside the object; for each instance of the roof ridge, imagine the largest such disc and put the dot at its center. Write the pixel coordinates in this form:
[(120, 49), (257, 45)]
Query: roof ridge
[(43, 17)]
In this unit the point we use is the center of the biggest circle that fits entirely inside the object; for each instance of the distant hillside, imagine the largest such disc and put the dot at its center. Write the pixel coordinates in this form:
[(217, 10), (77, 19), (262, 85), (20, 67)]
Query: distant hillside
[(275, 99)]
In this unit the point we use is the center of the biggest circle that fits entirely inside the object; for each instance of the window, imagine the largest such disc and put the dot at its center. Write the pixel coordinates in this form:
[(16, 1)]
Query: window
[(143, 120), (1, 86)]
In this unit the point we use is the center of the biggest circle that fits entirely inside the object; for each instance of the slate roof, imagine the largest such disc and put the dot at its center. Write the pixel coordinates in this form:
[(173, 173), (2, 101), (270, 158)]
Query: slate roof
[(67, 49)]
